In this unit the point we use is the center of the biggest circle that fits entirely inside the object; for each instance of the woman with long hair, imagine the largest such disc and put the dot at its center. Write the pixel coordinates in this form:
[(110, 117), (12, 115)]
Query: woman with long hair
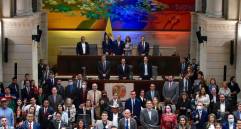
[(183, 123), (168, 119), (211, 121), (64, 114), (213, 84), (106, 45), (184, 105), (128, 46), (203, 97)]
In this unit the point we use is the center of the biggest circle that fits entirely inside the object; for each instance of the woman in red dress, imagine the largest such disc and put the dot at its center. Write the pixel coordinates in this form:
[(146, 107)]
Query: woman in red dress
[(168, 119)]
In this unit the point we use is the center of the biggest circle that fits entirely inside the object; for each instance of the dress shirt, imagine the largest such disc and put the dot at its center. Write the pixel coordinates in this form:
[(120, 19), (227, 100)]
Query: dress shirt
[(30, 125), (132, 105), (83, 47), (149, 113), (115, 119), (8, 113), (79, 83), (152, 94), (222, 107), (146, 70), (200, 114), (230, 126)]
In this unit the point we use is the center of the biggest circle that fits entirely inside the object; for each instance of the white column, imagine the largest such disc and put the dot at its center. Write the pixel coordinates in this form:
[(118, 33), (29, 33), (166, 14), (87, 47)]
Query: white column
[(238, 58), (35, 62), (1, 61), (24, 7), (214, 8), (6, 8), (198, 5)]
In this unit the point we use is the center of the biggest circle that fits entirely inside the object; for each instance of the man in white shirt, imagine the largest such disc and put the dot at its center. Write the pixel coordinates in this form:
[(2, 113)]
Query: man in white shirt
[(127, 122), (114, 115), (82, 47), (149, 117), (32, 103)]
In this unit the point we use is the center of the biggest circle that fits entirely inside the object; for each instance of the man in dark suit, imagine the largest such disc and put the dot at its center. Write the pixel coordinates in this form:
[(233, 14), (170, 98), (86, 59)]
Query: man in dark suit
[(118, 46), (145, 69), (116, 102), (152, 92), (185, 85), (50, 83), (237, 113), (70, 90), (45, 114), (142, 98), (55, 99), (143, 47), (234, 88), (60, 88), (134, 105), (230, 123), (127, 122), (30, 123), (103, 68), (149, 117), (184, 65), (14, 87), (81, 94), (27, 92), (58, 123), (123, 70), (82, 47), (199, 116), (222, 108)]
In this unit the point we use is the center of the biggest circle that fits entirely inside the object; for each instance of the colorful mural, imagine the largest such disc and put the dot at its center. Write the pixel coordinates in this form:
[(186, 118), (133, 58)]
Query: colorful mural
[(124, 14)]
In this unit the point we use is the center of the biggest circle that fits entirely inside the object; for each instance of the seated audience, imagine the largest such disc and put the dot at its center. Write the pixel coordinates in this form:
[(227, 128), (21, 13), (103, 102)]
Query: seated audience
[(214, 98), (103, 68), (230, 123), (128, 46), (149, 117), (143, 47), (184, 105), (145, 69), (168, 118), (58, 123), (80, 125), (222, 107), (238, 124), (237, 113), (82, 47), (31, 124), (213, 84), (170, 90), (203, 97), (123, 70), (127, 122)]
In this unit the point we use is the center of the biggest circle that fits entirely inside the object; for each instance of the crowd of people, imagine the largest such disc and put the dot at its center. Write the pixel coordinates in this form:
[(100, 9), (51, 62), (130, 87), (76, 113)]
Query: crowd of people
[(191, 102)]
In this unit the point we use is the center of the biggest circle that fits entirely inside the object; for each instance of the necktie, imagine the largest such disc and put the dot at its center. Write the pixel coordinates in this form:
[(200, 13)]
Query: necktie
[(59, 125), (29, 126), (94, 98), (104, 65), (132, 106), (54, 99), (68, 113), (78, 85), (170, 83), (104, 125), (143, 44), (53, 81), (126, 125), (186, 85), (152, 94)]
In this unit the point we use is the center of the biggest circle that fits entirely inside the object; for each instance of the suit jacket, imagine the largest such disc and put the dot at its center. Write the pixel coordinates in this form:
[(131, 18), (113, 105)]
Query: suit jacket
[(142, 49), (14, 89), (226, 125), (145, 119), (60, 89), (102, 71), (189, 87), (106, 47), (136, 109), (111, 103), (149, 97), (200, 121), (118, 50), (54, 105), (79, 49), (90, 95), (133, 124), (55, 124), (43, 117), (110, 116), (172, 92), (143, 102), (217, 107), (25, 94), (70, 92), (237, 115), (123, 72), (142, 71), (81, 96), (49, 85), (25, 125), (99, 124)]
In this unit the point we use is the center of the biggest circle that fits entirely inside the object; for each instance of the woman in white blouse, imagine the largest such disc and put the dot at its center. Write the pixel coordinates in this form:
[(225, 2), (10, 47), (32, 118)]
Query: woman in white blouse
[(203, 97), (225, 90)]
